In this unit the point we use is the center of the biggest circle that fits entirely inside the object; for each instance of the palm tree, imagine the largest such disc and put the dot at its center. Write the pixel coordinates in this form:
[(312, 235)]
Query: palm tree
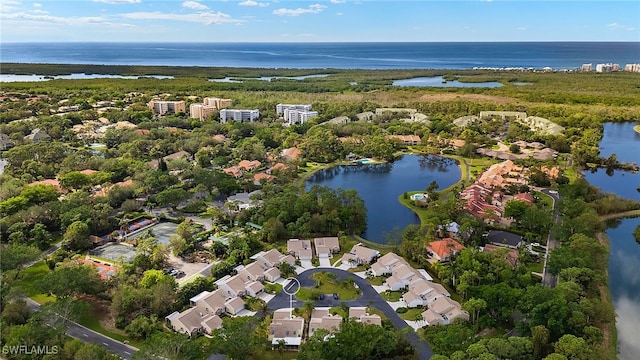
[(281, 346)]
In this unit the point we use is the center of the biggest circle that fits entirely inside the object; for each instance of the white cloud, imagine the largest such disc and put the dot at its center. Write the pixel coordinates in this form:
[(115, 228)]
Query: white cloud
[(253, 3), (311, 9), (194, 5), (8, 5), (616, 26), (42, 18), (118, 2), (339, 14), (338, 1), (206, 18), (37, 5)]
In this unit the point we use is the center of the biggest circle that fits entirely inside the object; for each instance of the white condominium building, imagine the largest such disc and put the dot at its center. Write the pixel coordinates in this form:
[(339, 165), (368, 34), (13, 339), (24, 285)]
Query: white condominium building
[(298, 116), (167, 107), (632, 67), (239, 115), (607, 67), (280, 108)]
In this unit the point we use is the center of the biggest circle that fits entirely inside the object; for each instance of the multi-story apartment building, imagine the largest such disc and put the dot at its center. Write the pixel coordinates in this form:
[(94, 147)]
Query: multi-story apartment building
[(293, 116), (587, 67), (609, 67), (239, 115), (201, 111), (632, 67), (217, 103), (160, 107), (280, 108)]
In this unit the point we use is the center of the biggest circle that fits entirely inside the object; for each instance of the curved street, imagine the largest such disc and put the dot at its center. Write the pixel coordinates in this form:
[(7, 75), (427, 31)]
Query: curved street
[(370, 297)]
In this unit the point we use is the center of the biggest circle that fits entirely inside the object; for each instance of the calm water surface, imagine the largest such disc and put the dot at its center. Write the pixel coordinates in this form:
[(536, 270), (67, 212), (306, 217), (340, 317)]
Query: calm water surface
[(624, 258), (438, 81), (380, 185)]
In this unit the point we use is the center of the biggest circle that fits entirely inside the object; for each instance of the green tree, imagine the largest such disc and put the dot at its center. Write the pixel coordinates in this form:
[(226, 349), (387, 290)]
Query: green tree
[(573, 347), (74, 180), (540, 339), (71, 279), (15, 256), (238, 338), (142, 326), (77, 236)]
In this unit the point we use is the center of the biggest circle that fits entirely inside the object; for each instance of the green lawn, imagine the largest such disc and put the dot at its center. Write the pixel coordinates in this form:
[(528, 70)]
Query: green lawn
[(91, 321), (275, 355), (26, 282), (378, 280), (272, 288), (411, 314), (392, 296), (329, 286), (535, 267)]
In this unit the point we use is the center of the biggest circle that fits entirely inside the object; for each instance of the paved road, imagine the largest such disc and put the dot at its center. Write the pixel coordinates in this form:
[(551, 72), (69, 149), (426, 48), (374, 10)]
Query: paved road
[(370, 297), (80, 332), (548, 279)]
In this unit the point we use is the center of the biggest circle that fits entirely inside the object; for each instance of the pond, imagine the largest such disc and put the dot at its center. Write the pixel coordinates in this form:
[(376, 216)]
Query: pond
[(380, 185), (438, 81), (30, 78), (624, 257)]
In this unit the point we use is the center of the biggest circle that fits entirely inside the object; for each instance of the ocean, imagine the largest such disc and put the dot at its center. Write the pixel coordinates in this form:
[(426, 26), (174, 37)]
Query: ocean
[(537, 55)]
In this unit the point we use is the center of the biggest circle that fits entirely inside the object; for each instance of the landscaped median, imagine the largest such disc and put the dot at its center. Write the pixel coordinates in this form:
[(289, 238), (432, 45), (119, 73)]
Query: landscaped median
[(327, 283)]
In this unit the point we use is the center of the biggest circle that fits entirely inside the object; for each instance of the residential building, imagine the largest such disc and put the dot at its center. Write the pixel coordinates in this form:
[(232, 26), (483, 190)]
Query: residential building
[(587, 67), (406, 139), (509, 255), (210, 303), (5, 142), (387, 263), (609, 67), (360, 255), (281, 108), (322, 319), (382, 111), (360, 314), (187, 322), (476, 195), (233, 285), (301, 249), (423, 293), (444, 249), (444, 311), (201, 111), (286, 327), (171, 157), (38, 135), (217, 103), (273, 258), (292, 116), (326, 246), (505, 238), (243, 200), (291, 153), (161, 107), (239, 115), (632, 67)]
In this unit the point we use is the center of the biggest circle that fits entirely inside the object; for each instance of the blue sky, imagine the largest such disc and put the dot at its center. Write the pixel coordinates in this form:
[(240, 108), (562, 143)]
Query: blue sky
[(312, 21)]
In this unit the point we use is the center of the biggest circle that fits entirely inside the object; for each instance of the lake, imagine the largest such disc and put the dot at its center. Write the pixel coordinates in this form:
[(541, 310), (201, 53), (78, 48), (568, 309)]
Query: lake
[(622, 140), (438, 81), (268, 78), (30, 78), (624, 257), (380, 185)]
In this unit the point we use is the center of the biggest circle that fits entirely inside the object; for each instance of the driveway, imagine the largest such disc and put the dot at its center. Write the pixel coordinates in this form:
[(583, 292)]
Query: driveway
[(370, 297), (325, 262)]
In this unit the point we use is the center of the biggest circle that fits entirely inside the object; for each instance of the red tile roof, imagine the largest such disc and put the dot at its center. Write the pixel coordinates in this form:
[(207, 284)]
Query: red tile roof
[(445, 247)]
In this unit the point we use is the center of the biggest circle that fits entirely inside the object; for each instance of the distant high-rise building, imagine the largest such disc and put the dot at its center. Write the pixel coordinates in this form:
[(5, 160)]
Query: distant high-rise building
[(280, 108), (586, 67), (167, 107), (632, 67), (239, 115), (609, 67)]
